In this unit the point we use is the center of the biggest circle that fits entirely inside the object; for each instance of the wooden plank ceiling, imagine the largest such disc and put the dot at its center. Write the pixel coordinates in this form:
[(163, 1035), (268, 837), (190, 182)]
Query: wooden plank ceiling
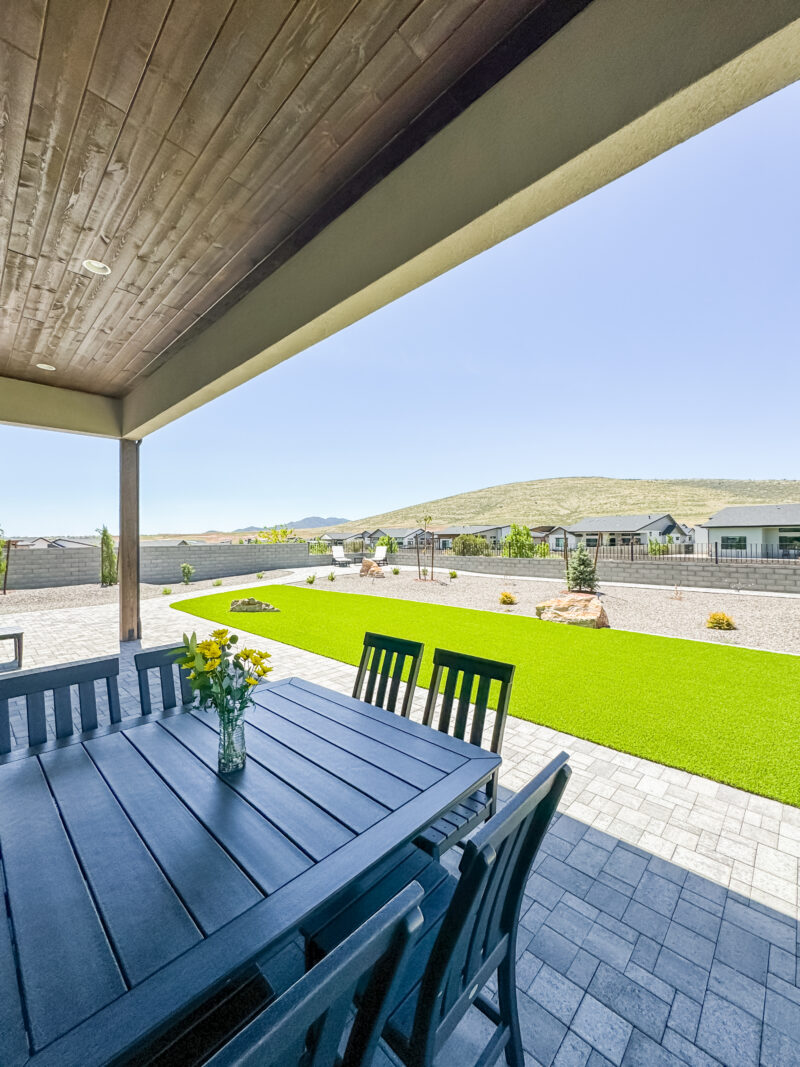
[(192, 145)]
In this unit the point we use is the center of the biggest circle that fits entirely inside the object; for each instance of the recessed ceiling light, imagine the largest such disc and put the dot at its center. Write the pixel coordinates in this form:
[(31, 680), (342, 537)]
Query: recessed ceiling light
[(94, 266), (45, 366)]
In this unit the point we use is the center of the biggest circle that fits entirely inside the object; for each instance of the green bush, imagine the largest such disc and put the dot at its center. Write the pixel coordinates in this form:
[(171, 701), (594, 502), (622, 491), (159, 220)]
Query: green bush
[(395, 570), (542, 550), (424, 572), (391, 544), (318, 548), (453, 574), (166, 590), (581, 574), (187, 570), (332, 576), (519, 542), (310, 578), (470, 545), (507, 598), (260, 574), (718, 620), (108, 559), (217, 581)]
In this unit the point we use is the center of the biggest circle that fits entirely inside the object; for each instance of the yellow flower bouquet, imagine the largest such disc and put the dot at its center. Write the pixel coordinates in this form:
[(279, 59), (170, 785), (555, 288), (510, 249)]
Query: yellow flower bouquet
[(224, 678)]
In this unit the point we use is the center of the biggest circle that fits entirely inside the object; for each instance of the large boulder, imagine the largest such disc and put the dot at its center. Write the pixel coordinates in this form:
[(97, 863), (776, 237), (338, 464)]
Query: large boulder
[(575, 609), (251, 604), (370, 569)]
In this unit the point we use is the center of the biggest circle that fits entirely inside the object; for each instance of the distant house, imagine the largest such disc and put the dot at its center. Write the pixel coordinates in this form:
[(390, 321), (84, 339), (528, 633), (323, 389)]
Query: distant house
[(404, 535), (495, 535), (557, 535), (768, 530), (629, 529), (32, 542), (169, 542), (54, 542)]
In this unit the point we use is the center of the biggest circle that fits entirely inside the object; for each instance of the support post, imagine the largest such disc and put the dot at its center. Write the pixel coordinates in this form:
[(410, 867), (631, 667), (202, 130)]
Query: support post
[(130, 623)]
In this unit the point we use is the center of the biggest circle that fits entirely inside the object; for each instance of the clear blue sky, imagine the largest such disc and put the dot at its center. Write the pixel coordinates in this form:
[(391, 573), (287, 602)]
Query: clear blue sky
[(650, 330)]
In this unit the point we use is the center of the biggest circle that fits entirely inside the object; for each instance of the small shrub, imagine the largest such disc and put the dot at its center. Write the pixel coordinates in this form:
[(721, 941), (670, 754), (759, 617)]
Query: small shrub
[(395, 570), (718, 620), (187, 570), (389, 542), (453, 574), (332, 576), (108, 559), (259, 574), (217, 581), (507, 598), (424, 572), (581, 572), (310, 578), (471, 545), (166, 590), (542, 550)]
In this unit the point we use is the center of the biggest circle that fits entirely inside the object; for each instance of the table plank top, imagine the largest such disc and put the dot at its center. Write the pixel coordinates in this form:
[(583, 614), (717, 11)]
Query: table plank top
[(138, 880)]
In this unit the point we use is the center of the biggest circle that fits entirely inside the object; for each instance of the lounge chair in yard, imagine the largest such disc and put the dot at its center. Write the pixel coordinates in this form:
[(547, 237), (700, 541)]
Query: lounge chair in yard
[(380, 555), (469, 931), (339, 558)]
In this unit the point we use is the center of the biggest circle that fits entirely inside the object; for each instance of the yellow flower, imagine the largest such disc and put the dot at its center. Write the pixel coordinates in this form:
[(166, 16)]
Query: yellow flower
[(252, 681), (221, 636), (211, 665)]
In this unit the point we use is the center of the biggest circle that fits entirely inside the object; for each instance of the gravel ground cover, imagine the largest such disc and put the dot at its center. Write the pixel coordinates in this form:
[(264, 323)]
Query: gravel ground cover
[(771, 623), (78, 596), (721, 713)]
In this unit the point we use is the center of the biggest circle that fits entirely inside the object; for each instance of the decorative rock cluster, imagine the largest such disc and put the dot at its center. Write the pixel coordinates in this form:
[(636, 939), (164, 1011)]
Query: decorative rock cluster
[(575, 609), (370, 569), (251, 604)]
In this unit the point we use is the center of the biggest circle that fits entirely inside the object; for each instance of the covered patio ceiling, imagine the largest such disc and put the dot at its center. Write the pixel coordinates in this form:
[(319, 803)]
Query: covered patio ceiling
[(257, 176)]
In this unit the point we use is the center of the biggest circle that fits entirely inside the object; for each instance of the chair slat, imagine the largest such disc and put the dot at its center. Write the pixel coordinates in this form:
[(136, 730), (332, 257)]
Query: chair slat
[(88, 705), (479, 714), (5, 728), (168, 699), (464, 701), (382, 663), (62, 711), (37, 722), (112, 691)]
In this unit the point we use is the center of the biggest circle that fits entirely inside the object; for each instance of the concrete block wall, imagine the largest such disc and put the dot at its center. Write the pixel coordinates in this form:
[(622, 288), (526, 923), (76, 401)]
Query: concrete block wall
[(48, 567), (761, 577)]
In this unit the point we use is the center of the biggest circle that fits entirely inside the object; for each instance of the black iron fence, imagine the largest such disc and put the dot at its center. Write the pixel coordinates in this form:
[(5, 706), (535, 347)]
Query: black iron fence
[(652, 552)]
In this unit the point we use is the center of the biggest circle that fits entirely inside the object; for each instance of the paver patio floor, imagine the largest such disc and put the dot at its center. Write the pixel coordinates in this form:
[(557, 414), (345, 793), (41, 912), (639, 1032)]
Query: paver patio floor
[(660, 924)]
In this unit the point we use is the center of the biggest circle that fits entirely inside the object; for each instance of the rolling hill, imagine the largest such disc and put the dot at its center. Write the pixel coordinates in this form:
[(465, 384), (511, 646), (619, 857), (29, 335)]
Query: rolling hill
[(558, 501)]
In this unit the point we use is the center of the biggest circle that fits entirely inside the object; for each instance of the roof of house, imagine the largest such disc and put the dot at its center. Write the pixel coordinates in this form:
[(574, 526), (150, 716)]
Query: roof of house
[(757, 515), (616, 523), (394, 531)]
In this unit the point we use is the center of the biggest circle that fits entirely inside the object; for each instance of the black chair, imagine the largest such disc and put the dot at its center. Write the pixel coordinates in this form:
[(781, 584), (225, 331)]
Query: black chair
[(383, 661), (58, 681), (469, 930), (463, 674), (162, 659), (305, 1027)]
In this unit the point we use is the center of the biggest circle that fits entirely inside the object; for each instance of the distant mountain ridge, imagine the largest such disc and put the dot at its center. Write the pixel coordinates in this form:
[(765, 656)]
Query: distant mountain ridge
[(561, 501), (310, 522)]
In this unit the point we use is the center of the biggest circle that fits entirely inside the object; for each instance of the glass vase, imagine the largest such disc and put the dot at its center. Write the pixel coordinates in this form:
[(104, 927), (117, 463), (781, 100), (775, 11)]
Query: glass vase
[(232, 753)]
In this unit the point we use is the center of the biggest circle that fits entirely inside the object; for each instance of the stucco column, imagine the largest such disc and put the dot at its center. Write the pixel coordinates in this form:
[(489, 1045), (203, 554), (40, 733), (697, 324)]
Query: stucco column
[(130, 623)]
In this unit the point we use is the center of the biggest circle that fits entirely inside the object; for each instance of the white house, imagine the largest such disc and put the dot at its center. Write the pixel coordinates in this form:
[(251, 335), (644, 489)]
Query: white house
[(495, 535), (630, 529), (762, 530), (555, 539)]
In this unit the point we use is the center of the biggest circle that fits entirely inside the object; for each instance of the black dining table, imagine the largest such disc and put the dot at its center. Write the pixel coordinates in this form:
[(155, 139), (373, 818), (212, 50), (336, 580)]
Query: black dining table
[(138, 881)]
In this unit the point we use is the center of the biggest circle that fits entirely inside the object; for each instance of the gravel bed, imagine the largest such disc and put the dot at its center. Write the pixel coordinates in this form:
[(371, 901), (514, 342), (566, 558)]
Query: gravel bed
[(762, 621), (79, 596)]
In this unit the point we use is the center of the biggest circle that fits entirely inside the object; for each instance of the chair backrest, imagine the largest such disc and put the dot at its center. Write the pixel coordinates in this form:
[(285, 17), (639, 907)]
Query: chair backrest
[(461, 673), (34, 685), (382, 662), (337, 551), (307, 1023), (380, 553), (479, 928), (162, 659)]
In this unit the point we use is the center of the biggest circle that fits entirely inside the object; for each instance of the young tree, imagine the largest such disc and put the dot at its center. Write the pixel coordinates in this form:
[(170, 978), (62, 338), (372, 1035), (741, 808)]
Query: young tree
[(519, 542), (423, 523), (581, 574), (108, 559), (389, 542)]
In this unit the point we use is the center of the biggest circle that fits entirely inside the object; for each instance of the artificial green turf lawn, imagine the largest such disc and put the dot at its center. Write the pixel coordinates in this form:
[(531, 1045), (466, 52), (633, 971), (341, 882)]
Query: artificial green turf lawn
[(732, 714)]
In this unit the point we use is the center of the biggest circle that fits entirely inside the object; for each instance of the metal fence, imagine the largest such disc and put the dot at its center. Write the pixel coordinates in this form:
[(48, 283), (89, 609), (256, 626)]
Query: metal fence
[(713, 552)]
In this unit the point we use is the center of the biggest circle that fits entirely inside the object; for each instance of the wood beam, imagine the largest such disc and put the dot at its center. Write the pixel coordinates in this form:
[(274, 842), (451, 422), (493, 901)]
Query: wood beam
[(130, 622)]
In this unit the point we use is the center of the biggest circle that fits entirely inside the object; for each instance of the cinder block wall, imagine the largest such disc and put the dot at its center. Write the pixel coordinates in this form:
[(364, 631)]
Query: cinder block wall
[(763, 577), (47, 567)]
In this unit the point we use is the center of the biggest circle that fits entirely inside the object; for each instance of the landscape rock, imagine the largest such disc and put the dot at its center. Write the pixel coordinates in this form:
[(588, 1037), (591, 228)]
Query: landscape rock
[(575, 609), (251, 604), (370, 569)]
